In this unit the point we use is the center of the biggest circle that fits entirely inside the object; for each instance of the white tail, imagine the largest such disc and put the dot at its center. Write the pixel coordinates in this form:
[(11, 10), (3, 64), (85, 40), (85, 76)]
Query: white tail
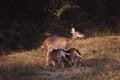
[(57, 42)]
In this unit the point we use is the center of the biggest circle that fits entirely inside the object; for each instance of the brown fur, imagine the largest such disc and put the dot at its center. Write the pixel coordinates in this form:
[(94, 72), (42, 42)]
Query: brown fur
[(58, 42), (56, 58), (73, 57)]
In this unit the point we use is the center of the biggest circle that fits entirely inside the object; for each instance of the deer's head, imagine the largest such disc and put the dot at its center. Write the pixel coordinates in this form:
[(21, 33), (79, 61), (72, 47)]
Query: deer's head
[(76, 34)]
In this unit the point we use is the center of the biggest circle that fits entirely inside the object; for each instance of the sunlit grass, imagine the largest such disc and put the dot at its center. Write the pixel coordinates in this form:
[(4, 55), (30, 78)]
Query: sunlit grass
[(19, 64), (101, 61), (99, 45)]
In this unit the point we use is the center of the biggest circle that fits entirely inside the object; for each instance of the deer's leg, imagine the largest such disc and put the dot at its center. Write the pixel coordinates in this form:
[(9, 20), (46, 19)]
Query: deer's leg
[(75, 62), (68, 61), (47, 58), (62, 64), (53, 63), (63, 54)]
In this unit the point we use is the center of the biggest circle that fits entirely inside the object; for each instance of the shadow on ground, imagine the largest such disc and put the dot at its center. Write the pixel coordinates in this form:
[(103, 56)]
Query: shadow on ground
[(36, 72)]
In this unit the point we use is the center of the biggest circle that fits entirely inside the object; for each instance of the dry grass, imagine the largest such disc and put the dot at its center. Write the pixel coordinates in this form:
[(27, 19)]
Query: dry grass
[(101, 61), (99, 46)]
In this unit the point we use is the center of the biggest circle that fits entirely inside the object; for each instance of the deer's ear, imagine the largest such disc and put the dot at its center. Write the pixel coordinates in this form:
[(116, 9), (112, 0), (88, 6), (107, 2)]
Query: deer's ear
[(72, 30)]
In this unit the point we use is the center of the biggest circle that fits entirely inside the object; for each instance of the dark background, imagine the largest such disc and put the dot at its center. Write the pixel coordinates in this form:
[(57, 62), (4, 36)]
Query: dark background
[(24, 24)]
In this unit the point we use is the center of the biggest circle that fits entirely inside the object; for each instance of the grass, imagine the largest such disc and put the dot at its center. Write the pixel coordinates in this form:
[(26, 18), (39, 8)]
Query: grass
[(100, 46), (101, 61)]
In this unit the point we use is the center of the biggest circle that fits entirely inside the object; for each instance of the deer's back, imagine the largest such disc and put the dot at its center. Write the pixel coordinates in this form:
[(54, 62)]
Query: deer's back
[(56, 42)]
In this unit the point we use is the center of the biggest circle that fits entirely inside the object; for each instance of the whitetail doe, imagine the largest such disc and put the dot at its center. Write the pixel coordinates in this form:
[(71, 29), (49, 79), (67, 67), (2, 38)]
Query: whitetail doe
[(57, 42)]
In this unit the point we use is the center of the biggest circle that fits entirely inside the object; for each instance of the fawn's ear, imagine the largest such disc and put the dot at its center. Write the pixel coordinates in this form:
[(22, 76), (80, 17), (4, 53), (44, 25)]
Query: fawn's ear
[(72, 30)]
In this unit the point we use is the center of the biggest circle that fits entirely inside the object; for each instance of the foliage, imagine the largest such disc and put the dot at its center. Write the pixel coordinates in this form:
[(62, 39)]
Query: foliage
[(24, 24)]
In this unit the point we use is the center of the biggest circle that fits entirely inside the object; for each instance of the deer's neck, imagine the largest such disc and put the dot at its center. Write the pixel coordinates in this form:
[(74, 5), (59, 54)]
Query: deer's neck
[(70, 41)]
